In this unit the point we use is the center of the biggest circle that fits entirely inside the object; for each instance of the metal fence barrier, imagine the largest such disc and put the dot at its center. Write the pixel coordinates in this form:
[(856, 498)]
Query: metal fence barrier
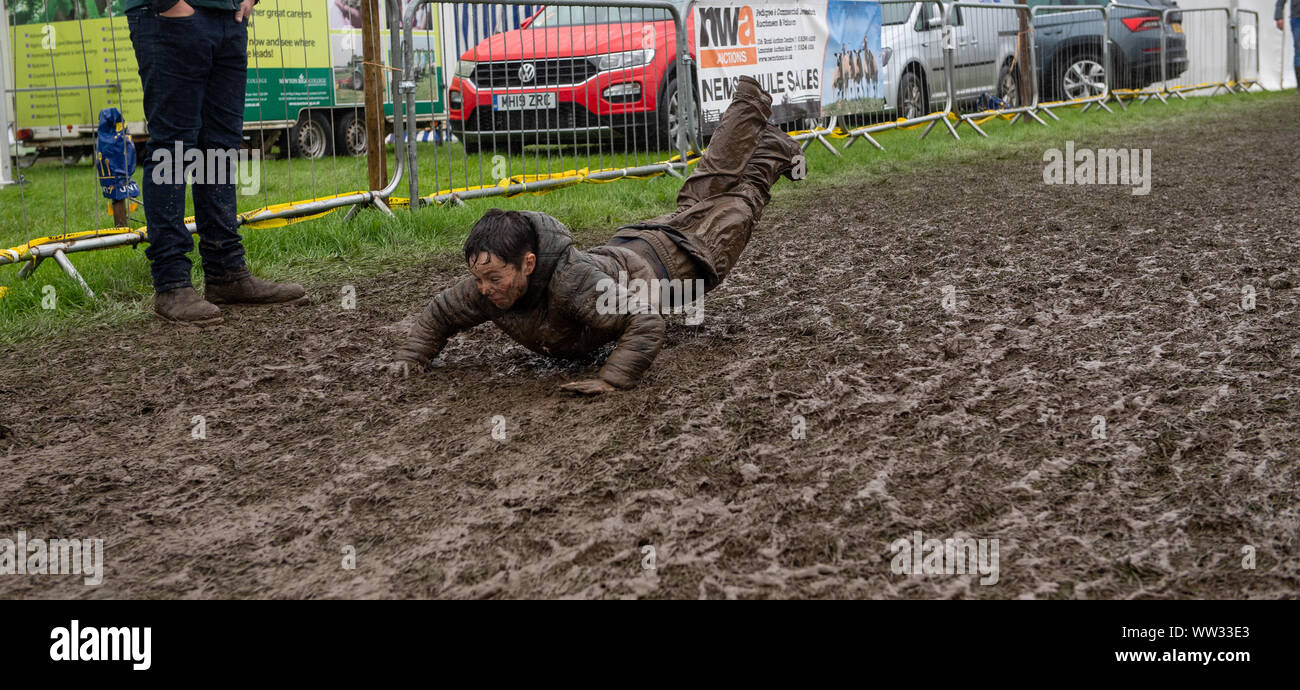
[(583, 91), (6, 129), (1139, 38), (308, 127), (992, 74), (1072, 48), (912, 72), (1202, 59), (1246, 66)]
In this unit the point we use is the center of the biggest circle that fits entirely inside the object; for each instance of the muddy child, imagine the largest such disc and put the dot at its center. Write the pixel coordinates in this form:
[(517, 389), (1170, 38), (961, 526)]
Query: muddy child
[(557, 300)]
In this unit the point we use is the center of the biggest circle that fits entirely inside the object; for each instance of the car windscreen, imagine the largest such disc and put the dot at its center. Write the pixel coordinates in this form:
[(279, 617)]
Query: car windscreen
[(581, 16), (895, 12)]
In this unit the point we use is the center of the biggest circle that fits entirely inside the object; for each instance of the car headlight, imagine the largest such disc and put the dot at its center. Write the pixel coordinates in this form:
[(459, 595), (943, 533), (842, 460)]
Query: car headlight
[(464, 68), (625, 59), (884, 56)]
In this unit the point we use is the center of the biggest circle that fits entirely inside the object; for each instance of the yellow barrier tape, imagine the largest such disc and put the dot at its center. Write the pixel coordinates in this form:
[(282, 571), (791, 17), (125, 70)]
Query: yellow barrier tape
[(20, 251), (248, 219), (951, 116), (1134, 92), (837, 133), (992, 114), (574, 177), (569, 177), (1072, 103)]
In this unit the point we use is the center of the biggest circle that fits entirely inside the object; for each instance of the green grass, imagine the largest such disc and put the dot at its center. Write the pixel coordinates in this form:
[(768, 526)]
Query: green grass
[(330, 250)]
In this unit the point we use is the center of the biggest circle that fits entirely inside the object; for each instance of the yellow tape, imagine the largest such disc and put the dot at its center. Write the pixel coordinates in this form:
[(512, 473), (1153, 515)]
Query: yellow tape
[(20, 251), (837, 133), (248, 218), (951, 116), (569, 177)]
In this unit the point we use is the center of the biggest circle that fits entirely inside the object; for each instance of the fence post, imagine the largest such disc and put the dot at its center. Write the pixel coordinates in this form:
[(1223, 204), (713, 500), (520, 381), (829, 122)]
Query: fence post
[(405, 94), (6, 171), (949, 47), (371, 50)]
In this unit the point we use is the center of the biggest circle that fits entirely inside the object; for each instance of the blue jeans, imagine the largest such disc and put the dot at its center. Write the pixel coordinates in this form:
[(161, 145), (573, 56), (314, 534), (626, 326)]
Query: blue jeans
[(193, 72), (1295, 36)]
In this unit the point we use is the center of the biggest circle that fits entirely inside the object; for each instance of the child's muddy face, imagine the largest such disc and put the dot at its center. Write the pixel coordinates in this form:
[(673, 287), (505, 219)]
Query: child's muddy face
[(501, 282)]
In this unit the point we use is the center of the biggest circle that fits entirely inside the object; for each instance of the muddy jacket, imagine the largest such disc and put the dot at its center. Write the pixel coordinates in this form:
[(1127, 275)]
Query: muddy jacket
[(558, 316)]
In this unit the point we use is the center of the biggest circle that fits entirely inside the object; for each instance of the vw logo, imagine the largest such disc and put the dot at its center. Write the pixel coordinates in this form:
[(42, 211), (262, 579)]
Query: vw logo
[(528, 72)]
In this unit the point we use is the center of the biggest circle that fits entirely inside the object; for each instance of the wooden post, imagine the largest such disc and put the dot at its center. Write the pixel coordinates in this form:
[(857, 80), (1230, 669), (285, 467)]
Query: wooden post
[(372, 51), (119, 214)]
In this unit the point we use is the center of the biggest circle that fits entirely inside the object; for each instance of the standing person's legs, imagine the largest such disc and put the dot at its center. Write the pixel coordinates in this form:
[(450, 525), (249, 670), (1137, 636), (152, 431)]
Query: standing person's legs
[(173, 60), (226, 276), (1295, 37), (220, 245)]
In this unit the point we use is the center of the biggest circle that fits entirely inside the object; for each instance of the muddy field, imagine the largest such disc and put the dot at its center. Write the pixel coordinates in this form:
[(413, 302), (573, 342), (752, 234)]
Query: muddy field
[(1071, 303)]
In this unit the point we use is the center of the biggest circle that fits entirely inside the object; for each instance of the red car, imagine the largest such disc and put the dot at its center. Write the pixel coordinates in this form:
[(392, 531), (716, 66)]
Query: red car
[(571, 74)]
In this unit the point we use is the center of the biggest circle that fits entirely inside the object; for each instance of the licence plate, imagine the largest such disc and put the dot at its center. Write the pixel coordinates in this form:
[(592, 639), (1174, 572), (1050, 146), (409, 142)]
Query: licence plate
[(1178, 27), (525, 101)]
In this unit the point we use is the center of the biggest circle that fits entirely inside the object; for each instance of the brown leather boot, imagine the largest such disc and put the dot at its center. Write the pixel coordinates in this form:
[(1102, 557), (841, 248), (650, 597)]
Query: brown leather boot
[(184, 306), (773, 158), (251, 290)]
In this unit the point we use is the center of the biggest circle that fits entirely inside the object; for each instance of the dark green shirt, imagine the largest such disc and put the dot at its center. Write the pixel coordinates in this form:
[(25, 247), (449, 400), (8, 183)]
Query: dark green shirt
[(164, 5)]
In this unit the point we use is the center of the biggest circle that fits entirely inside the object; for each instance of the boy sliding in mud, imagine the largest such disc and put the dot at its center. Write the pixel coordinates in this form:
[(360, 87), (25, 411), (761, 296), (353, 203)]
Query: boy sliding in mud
[(529, 279)]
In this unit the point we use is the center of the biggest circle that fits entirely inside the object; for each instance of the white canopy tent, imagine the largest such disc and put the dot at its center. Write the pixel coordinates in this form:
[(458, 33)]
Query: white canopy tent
[(1275, 47)]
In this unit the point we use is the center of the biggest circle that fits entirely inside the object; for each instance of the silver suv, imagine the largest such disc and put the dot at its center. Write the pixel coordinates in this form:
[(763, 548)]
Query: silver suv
[(911, 39)]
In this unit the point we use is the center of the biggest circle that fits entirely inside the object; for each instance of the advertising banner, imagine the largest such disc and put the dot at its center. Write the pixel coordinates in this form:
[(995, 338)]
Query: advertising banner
[(90, 54), (288, 59), (852, 63), (799, 53), (73, 58)]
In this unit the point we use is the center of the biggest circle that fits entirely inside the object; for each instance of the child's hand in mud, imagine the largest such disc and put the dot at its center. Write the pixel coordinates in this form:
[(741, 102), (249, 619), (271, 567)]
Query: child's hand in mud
[(587, 387)]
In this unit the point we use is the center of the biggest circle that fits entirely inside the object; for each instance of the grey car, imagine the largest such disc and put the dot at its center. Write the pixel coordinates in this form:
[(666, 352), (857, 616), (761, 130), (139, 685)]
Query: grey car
[(1068, 47)]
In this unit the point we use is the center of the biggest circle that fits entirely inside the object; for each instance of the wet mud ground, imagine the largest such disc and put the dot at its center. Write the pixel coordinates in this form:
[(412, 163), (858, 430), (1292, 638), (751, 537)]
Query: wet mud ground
[(1071, 303)]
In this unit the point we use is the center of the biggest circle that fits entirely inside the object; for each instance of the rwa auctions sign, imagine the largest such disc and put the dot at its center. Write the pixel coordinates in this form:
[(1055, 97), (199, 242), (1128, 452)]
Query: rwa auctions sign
[(780, 44)]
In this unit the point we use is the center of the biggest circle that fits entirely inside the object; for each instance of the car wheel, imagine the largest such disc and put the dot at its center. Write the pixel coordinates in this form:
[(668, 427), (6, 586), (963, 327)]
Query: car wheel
[(312, 137), (669, 117), (1082, 77), (911, 97), (351, 135)]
